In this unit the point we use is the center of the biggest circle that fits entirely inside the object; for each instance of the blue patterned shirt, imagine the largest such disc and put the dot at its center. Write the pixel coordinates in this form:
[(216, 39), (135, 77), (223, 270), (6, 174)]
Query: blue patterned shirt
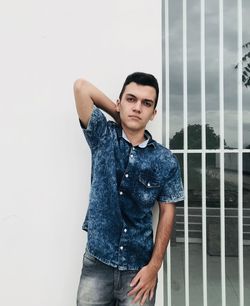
[(126, 182)]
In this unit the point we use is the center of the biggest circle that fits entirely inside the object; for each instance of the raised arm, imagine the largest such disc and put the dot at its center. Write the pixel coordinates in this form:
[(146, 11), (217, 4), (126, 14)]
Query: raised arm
[(145, 280), (87, 95)]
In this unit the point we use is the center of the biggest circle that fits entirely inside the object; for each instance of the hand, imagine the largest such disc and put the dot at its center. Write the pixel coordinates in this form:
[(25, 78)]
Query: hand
[(144, 284)]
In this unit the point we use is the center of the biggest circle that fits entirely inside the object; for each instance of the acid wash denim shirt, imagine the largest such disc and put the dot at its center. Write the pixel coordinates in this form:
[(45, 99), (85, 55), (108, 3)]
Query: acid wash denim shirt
[(126, 182)]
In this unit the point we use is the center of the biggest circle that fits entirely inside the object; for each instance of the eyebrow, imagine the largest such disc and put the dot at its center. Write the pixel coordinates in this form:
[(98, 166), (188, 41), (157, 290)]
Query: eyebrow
[(129, 94), (147, 100)]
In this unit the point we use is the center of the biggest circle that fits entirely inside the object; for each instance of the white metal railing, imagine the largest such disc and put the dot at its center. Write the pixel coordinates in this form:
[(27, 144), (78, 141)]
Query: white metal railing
[(212, 213), (203, 156), (240, 156), (185, 146), (203, 151), (222, 174), (166, 137), (165, 124)]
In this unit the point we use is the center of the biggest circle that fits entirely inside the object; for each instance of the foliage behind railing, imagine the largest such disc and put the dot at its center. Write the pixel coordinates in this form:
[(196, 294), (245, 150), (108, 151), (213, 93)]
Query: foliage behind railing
[(245, 66)]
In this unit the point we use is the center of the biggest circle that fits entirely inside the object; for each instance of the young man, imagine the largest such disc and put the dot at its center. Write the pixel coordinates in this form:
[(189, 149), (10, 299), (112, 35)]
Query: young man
[(130, 172)]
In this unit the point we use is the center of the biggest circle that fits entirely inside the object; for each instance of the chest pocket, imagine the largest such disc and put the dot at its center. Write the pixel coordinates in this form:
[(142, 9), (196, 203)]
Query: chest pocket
[(149, 182), (147, 190)]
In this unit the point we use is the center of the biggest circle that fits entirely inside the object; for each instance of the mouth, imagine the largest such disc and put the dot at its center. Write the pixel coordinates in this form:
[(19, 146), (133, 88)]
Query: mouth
[(134, 117)]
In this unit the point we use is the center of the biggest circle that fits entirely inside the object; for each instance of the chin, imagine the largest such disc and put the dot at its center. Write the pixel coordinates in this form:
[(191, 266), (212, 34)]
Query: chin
[(134, 127)]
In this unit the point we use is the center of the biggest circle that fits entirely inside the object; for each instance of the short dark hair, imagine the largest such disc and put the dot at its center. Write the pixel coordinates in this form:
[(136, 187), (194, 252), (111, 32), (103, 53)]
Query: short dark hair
[(142, 78)]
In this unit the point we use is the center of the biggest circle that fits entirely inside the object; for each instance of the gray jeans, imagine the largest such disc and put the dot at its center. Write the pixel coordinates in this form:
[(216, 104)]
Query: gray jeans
[(102, 285)]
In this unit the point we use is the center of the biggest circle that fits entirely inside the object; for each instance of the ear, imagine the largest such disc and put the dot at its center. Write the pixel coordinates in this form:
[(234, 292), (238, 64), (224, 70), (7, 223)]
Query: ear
[(153, 115), (118, 102)]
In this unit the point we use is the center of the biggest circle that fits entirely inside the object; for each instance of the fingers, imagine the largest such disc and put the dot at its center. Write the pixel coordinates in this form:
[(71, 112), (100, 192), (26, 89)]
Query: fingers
[(144, 297), (142, 294), (134, 290), (152, 291), (135, 280)]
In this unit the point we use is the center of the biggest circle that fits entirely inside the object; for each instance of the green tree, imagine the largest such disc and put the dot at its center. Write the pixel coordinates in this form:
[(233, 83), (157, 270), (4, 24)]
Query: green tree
[(194, 138), (194, 142), (245, 65), (194, 165)]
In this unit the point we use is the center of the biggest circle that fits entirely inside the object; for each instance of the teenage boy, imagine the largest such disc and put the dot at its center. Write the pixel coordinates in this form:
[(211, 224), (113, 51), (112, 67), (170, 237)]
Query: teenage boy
[(130, 172)]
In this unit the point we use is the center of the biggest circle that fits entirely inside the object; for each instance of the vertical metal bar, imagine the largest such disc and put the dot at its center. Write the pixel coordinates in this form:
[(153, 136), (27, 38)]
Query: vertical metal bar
[(165, 72), (169, 276), (240, 155), (164, 67), (222, 166), (203, 137), (185, 170), (161, 272), (167, 97), (165, 116)]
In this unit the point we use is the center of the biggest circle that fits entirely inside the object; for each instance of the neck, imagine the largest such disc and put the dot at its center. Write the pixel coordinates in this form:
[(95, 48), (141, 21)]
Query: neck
[(134, 137)]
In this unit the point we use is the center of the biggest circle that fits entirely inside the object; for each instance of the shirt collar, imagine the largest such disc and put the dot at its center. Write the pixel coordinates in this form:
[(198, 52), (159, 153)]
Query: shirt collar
[(148, 139)]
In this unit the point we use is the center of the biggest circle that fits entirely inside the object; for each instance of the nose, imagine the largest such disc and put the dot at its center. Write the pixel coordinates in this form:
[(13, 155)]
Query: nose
[(137, 106)]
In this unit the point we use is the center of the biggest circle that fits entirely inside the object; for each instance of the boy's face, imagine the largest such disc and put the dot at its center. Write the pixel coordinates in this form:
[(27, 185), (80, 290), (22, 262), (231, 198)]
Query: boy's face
[(136, 106)]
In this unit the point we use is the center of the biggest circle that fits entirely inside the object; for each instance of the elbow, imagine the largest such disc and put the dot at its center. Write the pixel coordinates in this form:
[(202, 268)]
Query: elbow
[(79, 85)]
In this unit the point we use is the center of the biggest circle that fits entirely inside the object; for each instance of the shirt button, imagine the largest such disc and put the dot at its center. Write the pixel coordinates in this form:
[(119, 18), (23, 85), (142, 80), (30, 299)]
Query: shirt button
[(125, 230), (121, 193), (121, 248), (131, 155), (148, 184), (126, 175)]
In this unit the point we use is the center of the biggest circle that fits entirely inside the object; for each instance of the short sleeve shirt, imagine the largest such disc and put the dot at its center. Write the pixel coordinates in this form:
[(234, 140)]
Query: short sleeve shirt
[(126, 181)]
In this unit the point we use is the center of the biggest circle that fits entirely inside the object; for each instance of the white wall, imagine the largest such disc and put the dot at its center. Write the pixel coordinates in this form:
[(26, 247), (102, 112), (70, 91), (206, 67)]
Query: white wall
[(45, 162)]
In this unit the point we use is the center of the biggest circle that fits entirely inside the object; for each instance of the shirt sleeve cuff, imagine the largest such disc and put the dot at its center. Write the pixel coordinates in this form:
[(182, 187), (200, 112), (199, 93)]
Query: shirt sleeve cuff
[(177, 198)]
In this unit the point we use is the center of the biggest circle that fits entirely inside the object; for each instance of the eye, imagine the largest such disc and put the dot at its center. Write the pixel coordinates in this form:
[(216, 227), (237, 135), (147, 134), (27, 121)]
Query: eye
[(147, 103), (130, 99)]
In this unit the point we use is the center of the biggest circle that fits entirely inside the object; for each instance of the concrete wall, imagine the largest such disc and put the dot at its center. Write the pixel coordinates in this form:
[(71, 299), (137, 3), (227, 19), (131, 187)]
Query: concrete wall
[(45, 162)]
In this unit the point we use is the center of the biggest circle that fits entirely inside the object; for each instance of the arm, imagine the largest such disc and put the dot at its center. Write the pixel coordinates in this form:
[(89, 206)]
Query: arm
[(145, 281), (87, 95)]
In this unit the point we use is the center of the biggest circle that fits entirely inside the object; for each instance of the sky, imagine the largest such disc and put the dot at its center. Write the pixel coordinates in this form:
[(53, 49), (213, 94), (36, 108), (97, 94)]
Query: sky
[(211, 65)]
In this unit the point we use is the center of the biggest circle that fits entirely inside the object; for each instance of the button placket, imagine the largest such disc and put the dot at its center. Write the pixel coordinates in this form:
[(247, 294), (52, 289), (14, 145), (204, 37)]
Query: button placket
[(132, 152), (122, 245), (127, 173)]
